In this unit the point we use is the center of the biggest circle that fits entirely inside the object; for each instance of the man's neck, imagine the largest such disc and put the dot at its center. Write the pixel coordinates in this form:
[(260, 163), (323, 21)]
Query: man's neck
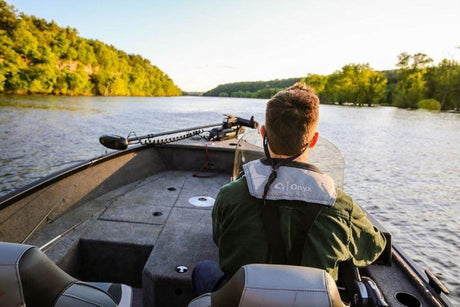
[(303, 158)]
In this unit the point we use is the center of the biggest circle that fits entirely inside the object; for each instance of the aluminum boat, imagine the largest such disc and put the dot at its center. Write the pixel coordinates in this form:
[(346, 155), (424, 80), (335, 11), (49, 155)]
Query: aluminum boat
[(141, 217)]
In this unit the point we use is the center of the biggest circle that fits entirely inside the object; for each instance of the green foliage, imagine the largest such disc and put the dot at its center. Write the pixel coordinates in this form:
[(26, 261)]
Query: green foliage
[(317, 82), (8, 19), (417, 81), (410, 86), (355, 83), (390, 89), (257, 89), (360, 84), (443, 83), (404, 87), (429, 104), (2, 77), (39, 57)]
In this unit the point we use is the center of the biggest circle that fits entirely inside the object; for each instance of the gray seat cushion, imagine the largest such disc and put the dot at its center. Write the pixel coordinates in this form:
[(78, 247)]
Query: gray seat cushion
[(275, 285)]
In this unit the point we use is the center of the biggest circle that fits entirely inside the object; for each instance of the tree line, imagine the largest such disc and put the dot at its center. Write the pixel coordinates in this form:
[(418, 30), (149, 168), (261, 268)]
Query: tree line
[(416, 83), (39, 57), (258, 89)]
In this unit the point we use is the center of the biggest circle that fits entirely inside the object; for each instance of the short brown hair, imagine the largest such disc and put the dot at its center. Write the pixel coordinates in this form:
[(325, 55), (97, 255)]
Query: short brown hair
[(291, 118)]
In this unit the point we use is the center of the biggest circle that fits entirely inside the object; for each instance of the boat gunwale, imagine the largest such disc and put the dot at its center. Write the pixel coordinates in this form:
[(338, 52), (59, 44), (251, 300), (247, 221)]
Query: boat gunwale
[(419, 277)]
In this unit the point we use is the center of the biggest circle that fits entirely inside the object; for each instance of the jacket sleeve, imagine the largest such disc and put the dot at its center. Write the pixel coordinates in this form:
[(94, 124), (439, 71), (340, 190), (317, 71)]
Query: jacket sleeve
[(366, 241)]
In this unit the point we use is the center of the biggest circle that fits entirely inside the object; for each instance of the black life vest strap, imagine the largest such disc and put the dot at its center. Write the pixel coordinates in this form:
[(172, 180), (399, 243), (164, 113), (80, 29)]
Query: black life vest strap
[(271, 218), (298, 243), (273, 231), (272, 224)]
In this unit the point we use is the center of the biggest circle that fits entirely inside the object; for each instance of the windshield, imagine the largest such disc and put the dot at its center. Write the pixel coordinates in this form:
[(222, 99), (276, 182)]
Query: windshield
[(249, 148)]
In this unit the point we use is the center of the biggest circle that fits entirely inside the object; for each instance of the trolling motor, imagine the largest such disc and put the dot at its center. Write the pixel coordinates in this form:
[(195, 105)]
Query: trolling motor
[(229, 128)]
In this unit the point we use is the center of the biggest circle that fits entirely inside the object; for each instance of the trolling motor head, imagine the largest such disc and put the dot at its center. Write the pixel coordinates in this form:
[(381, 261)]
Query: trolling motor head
[(114, 142), (238, 121), (231, 127)]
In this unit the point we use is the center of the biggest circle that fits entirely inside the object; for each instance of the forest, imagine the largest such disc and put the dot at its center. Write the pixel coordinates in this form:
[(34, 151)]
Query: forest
[(39, 57), (258, 89), (416, 83)]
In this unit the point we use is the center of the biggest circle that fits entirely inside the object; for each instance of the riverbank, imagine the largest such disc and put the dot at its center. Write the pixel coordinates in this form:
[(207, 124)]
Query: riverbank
[(35, 101)]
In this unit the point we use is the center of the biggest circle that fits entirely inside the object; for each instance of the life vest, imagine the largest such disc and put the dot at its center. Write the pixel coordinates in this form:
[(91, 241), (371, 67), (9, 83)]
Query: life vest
[(291, 183), (287, 182)]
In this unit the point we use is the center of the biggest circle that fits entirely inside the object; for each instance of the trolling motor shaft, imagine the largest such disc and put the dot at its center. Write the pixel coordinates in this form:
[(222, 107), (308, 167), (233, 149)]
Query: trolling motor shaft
[(229, 128)]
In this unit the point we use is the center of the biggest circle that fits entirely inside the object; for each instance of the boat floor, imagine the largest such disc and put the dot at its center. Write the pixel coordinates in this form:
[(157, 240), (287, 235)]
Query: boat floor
[(133, 216)]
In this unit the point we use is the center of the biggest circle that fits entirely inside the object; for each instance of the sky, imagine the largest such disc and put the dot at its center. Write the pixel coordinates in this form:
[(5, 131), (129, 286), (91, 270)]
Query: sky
[(203, 43)]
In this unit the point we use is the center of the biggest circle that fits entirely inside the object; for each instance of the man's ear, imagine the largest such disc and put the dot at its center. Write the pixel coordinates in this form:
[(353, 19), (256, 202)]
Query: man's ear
[(314, 140), (262, 131)]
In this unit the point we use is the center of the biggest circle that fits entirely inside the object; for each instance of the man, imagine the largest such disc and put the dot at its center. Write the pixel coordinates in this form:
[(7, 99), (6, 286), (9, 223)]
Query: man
[(263, 218)]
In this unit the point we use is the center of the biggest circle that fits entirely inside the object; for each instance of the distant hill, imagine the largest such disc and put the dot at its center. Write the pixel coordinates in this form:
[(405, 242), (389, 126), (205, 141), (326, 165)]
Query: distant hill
[(39, 57), (256, 89)]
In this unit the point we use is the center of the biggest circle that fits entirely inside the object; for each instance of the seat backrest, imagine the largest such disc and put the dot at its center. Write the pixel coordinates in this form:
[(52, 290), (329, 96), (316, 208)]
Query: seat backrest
[(10, 280), (275, 285), (41, 279), (29, 277)]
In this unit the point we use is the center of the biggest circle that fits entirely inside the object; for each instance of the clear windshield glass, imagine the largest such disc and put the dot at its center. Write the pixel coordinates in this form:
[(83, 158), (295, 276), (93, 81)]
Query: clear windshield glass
[(249, 148)]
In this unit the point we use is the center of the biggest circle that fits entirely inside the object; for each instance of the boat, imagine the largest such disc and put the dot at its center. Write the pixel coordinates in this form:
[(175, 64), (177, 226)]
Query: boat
[(141, 217)]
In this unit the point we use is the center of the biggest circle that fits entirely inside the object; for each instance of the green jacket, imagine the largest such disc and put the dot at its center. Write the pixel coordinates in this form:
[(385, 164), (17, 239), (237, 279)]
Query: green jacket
[(340, 233)]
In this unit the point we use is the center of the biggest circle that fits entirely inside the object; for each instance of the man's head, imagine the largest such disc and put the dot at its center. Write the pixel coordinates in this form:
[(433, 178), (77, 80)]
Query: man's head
[(291, 119)]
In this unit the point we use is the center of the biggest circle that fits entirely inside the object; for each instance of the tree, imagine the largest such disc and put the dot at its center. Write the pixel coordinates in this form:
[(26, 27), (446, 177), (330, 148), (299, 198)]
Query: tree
[(8, 19), (332, 90), (317, 82), (357, 83), (410, 86), (371, 87), (41, 79), (78, 82), (443, 82), (390, 88), (410, 89)]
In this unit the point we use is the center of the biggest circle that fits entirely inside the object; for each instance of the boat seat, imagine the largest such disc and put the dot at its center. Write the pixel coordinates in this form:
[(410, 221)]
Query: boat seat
[(274, 285), (29, 278)]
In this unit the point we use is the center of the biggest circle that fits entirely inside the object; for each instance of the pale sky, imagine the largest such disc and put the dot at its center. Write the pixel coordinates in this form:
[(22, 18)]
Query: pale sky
[(201, 44)]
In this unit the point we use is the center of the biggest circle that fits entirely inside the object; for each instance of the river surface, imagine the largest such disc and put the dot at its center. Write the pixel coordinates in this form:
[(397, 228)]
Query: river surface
[(402, 166)]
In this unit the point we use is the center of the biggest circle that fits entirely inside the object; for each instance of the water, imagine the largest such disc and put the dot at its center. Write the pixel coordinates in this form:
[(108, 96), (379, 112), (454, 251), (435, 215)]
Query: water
[(400, 165)]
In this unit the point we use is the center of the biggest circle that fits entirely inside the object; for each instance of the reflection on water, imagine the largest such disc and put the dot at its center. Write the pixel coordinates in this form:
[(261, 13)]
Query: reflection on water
[(401, 165), (76, 104)]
